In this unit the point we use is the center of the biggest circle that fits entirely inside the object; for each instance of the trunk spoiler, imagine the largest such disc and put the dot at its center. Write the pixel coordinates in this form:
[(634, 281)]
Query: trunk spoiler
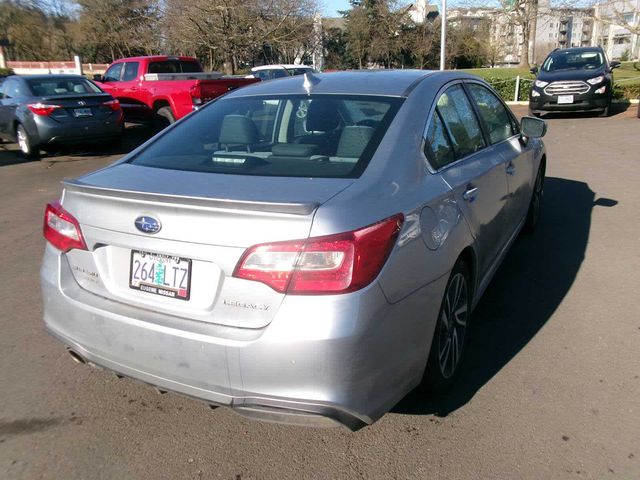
[(82, 96), (274, 207)]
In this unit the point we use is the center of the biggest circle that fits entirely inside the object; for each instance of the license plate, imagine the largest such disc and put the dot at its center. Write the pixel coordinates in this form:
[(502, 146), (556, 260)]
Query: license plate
[(159, 274), (82, 112), (565, 98)]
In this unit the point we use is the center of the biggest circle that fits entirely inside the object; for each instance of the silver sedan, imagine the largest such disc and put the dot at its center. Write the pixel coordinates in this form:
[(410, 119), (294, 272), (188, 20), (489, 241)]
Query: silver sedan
[(303, 251)]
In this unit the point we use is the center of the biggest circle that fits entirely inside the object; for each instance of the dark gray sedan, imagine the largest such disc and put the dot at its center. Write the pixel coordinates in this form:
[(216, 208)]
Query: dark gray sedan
[(41, 110)]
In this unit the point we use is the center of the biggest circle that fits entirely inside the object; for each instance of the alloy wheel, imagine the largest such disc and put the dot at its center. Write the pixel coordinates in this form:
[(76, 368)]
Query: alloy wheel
[(23, 141), (453, 325), (537, 198)]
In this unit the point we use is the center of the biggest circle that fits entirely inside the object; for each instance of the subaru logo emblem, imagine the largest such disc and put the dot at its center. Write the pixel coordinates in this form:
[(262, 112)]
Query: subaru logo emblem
[(148, 224), (81, 102)]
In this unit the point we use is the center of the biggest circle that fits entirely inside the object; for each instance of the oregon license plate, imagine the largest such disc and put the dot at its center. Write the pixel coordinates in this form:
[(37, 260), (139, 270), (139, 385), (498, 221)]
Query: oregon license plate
[(159, 274), (565, 98), (82, 112)]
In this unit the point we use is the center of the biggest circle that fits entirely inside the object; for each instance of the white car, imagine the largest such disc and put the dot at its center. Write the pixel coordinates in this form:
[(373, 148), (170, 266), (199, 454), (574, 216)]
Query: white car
[(269, 72)]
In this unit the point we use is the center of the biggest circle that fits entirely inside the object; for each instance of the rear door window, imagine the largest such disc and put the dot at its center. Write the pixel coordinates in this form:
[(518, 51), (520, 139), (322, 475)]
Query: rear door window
[(460, 121), (13, 89), (174, 66), (438, 147), (130, 71)]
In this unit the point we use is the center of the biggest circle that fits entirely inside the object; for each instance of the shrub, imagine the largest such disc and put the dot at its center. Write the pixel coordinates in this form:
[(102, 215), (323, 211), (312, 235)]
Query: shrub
[(506, 88), (4, 72), (626, 90)]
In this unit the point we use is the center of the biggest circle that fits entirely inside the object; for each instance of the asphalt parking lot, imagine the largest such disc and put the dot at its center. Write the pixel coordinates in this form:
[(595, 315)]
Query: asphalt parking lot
[(550, 387)]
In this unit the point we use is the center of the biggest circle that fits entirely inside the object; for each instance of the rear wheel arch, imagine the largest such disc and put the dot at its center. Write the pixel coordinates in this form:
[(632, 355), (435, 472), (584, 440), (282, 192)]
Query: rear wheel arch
[(158, 104), (163, 114), (468, 256)]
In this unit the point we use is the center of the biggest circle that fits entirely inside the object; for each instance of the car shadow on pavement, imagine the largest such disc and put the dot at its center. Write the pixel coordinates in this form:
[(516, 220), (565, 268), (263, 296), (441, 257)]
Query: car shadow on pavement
[(617, 108), (133, 137), (527, 289)]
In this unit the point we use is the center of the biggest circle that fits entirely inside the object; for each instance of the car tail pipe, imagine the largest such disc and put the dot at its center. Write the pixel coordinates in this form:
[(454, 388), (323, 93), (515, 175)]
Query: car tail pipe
[(76, 356)]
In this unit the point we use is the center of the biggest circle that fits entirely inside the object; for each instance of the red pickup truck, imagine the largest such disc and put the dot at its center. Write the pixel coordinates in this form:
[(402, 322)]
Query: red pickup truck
[(161, 89)]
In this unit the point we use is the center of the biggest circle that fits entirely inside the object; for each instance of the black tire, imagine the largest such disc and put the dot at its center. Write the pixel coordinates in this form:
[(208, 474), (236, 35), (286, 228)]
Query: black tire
[(26, 143), (606, 112), (164, 118), (535, 205), (534, 114), (450, 335)]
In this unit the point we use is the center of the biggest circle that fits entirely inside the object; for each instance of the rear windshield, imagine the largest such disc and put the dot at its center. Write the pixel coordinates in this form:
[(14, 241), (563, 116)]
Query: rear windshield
[(287, 136), (573, 61), (61, 86), (299, 70), (174, 66)]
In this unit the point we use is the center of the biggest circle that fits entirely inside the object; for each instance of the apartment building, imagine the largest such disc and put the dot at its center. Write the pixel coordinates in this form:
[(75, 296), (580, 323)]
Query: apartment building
[(609, 24)]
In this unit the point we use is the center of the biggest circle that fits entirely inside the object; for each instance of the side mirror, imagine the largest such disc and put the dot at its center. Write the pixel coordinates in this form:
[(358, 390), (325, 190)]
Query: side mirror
[(98, 78), (614, 64), (534, 70), (533, 127)]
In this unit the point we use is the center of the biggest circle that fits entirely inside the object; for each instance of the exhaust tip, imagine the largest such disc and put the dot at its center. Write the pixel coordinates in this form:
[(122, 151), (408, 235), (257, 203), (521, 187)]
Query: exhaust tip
[(77, 357)]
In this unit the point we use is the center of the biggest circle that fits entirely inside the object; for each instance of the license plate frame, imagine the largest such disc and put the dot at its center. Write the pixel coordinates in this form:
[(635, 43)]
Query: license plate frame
[(82, 112), (565, 99), (183, 289)]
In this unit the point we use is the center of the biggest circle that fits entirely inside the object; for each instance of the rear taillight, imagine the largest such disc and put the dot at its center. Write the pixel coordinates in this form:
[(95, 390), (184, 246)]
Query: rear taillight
[(43, 109), (196, 94), (61, 229), (112, 104), (333, 264)]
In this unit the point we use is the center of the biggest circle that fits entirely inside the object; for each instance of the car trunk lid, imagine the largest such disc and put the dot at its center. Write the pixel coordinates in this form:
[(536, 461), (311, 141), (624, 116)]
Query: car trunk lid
[(79, 108), (206, 223)]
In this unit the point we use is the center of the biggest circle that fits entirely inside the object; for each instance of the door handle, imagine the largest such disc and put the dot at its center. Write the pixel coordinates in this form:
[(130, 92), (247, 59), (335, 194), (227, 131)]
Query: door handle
[(511, 168), (470, 194)]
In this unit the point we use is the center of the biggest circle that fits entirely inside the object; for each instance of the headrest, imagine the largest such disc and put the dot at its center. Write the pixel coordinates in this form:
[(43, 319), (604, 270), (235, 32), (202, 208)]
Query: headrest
[(239, 130), (353, 141), (322, 116), (294, 149), (78, 88)]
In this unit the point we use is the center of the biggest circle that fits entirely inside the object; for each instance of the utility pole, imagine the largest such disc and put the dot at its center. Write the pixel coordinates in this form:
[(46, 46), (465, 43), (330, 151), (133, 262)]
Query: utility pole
[(443, 33)]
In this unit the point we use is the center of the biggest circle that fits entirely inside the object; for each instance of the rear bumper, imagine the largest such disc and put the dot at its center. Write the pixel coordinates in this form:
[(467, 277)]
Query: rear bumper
[(48, 131), (338, 360)]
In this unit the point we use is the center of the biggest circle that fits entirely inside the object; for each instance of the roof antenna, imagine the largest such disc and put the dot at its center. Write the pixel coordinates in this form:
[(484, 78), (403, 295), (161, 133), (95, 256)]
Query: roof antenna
[(309, 81)]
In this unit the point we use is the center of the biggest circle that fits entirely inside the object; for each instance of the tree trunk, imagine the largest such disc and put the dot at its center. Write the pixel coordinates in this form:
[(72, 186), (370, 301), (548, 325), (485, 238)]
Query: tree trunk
[(524, 58)]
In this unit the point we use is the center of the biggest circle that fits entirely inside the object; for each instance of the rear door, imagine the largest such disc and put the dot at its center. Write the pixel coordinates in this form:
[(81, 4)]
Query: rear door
[(473, 169), (12, 90), (504, 134)]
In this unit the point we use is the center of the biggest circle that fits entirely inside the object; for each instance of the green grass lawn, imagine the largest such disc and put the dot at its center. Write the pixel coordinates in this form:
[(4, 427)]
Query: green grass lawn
[(626, 70), (499, 73)]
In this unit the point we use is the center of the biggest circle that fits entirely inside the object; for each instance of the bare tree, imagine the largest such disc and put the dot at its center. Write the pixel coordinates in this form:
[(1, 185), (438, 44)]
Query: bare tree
[(233, 32)]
